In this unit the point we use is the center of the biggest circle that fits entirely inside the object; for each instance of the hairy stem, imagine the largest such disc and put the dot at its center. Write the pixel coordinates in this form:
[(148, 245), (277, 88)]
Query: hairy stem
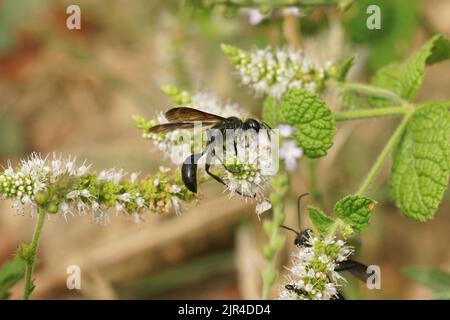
[(313, 183), (383, 155), (372, 113), (31, 260), (280, 187), (369, 90)]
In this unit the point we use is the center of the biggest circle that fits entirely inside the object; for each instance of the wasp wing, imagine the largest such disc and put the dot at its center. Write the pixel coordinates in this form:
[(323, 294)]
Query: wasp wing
[(356, 269), (189, 114), (167, 127)]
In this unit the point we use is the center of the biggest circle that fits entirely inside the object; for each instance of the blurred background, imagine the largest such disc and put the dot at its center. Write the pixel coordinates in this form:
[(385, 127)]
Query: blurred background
[(75, 91)]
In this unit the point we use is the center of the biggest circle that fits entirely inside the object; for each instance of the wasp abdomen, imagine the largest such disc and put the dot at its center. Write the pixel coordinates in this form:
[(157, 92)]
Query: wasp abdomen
[(189, 172)]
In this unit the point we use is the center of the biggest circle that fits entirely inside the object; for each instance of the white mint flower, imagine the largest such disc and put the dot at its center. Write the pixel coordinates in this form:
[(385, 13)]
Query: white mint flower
[(263, 207), (290, 153), (255, 16), (274, 71), (285, 130), (125, 197), (134, 177), (59, 186), (247, 173), (313, 274)]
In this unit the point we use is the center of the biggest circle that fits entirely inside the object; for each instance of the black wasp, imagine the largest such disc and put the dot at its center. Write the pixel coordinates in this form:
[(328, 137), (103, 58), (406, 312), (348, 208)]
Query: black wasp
[(302, 238), (185, 118)]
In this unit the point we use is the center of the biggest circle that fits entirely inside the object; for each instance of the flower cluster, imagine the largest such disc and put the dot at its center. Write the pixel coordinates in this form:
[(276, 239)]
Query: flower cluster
[(273, 71), (247, 169), (59, 186), (313, 275), (290, 152)]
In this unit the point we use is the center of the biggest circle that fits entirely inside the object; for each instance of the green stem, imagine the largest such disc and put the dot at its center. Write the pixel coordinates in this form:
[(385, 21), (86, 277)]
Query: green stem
[(280, 187), (368, 90), (31, 260), (383, 155), (313, 183), (372, 113)]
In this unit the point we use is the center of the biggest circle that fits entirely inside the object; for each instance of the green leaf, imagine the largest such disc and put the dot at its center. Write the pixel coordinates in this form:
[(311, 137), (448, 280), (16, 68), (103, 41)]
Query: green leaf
[(10, 273), (436, 280), (435, 50), (320, 220), (405, 79), (355, 211), (270, 111), (344, 68), (421, 162), (313, 121)]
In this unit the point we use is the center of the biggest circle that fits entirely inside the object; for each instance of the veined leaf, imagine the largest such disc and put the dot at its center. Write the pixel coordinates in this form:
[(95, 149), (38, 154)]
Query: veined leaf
[(436, 280), (313, 121), (406, 78), (320, 220), (355, 211), (10, 273), (421, 165)]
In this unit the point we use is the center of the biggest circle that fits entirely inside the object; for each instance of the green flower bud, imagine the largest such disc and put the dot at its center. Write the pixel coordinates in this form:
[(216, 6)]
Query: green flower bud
[(52, 207), (42, 197)]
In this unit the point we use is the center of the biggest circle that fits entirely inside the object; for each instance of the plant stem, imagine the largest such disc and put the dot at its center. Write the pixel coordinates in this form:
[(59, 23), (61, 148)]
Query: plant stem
[(280, 187), (29, 286), (371, 113), (368, 90), (383, 155), (314, 189)]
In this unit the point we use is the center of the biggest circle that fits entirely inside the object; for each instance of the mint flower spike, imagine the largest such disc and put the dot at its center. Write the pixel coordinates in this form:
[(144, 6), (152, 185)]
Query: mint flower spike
[(312, 275), (60, 186), (247, 170), (272, 72)]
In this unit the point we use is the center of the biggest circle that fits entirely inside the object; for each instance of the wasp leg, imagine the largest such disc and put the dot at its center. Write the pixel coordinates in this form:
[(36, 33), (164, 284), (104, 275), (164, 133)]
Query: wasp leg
[(208, 167), (209, 151), (339, 296), (267, 126), (217, 178)]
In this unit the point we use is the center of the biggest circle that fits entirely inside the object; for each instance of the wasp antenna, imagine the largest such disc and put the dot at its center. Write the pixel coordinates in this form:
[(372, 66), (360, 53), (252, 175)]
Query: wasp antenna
[(298, 208), (290, 229)]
